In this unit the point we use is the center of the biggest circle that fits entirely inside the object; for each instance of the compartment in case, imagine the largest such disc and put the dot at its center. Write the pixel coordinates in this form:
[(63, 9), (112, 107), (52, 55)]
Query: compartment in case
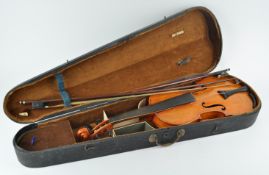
[(50, 136), (133, 128), (62, 132)]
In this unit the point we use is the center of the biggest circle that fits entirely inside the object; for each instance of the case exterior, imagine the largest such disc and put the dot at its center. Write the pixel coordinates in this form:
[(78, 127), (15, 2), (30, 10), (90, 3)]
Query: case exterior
[(123, 143), (107, 146)]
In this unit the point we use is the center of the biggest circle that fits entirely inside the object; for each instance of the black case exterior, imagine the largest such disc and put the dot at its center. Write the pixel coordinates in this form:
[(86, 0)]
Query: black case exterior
[(123, 143), (107, 146)]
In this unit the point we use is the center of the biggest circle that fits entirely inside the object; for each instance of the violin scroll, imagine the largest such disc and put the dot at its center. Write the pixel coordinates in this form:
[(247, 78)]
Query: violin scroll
[(83, 133)]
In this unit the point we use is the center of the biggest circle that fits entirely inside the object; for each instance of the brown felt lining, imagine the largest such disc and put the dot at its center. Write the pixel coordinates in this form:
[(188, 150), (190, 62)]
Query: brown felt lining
[(149, 58), (60, 133)]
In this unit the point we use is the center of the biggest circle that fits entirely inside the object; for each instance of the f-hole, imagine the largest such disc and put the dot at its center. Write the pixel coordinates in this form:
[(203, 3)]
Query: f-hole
[(213, 106)]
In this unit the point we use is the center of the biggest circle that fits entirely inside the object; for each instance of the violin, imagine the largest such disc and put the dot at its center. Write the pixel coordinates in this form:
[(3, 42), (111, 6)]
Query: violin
[(205, 99), (107, 124)]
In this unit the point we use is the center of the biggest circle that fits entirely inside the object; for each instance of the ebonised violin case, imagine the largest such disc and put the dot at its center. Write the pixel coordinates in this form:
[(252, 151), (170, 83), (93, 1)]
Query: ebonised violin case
[(182, 45)]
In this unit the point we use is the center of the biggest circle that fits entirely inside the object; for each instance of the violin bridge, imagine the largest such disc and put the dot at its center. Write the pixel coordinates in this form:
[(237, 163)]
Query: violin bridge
[(142, 103)]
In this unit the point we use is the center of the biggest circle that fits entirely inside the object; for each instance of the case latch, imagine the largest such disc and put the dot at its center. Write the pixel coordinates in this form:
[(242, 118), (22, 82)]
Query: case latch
[(153, 138)]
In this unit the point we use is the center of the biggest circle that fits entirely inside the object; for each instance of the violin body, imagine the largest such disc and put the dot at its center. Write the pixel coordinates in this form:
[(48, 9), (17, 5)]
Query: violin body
[(209, 104)]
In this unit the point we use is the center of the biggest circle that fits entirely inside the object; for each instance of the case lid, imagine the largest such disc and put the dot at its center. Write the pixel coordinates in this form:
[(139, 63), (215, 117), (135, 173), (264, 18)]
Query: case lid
[(184, 44)]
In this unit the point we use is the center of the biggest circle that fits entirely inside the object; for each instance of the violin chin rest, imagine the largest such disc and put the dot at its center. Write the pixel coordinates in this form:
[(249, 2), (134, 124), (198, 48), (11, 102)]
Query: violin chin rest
[(204, 116), (212, 115), (159, 123)]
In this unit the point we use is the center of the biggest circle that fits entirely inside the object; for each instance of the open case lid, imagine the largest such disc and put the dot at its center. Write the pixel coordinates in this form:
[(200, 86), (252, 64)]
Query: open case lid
[(184, 44)]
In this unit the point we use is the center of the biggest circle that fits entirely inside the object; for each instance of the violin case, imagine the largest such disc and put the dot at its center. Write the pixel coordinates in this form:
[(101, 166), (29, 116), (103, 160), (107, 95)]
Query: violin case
[(187, 43)]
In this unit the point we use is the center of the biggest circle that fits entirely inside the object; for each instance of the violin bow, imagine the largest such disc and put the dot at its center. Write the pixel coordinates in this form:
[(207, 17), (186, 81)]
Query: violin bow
[(54, 103), (189, 79), (186, 88)]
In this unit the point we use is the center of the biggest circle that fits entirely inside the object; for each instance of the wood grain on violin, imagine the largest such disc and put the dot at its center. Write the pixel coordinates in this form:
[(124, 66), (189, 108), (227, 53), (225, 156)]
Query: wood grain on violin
[(209, 104)]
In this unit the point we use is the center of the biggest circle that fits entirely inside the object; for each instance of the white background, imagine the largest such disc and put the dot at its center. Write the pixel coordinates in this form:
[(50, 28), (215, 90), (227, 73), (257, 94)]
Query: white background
[(38, 35)]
